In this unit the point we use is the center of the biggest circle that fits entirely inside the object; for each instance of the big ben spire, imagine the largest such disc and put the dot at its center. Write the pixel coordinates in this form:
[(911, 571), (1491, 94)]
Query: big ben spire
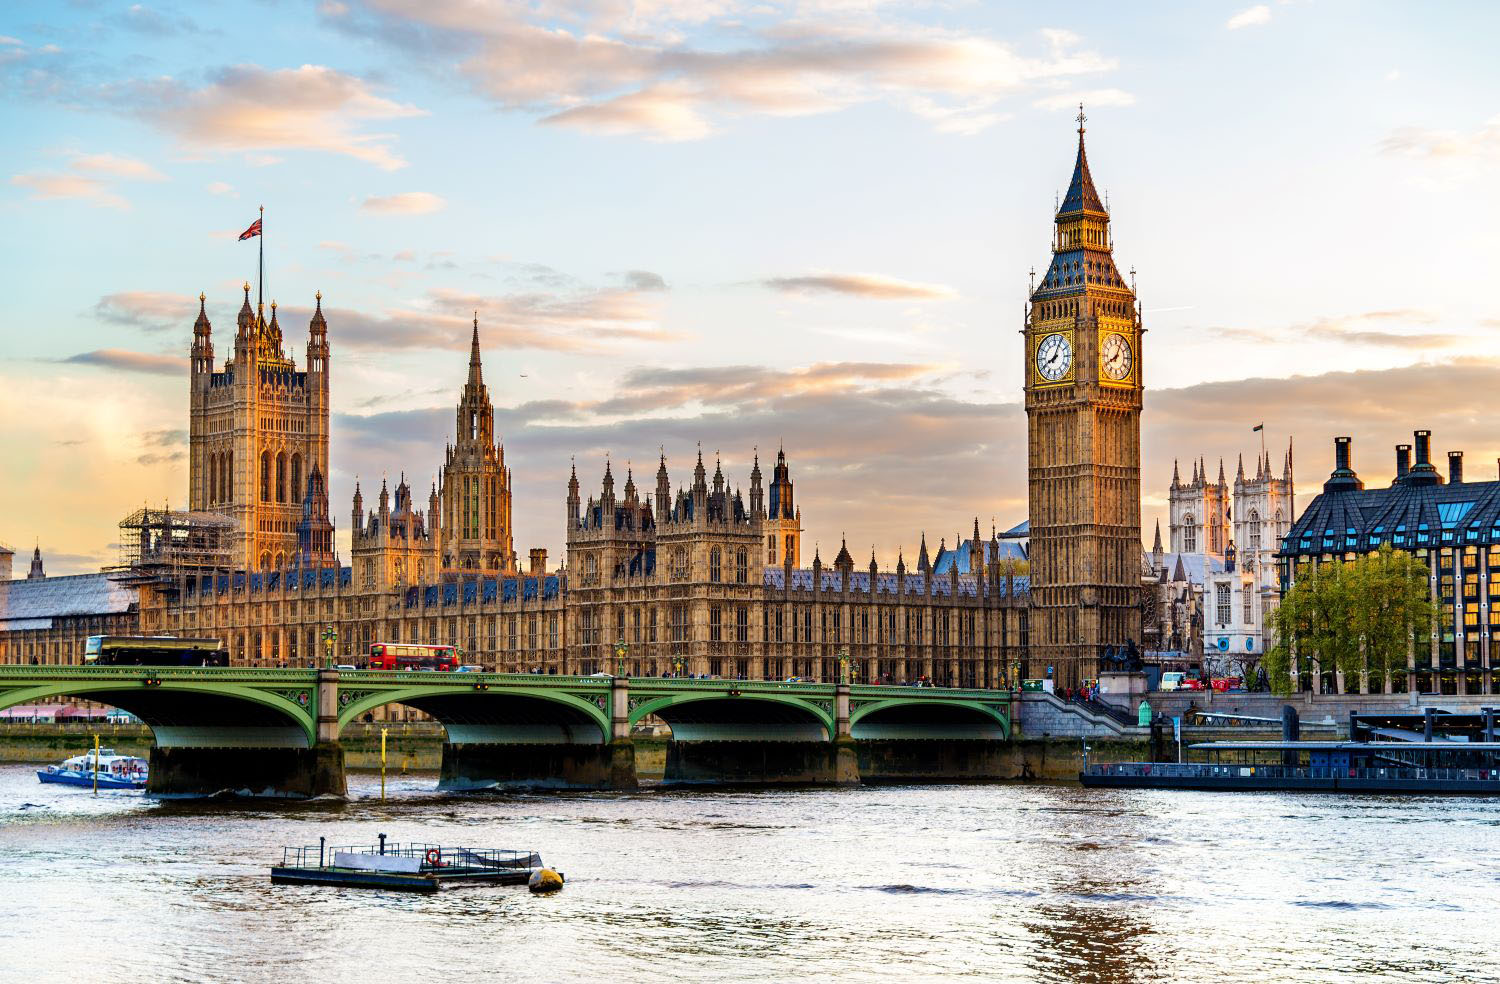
[(1083, 404)]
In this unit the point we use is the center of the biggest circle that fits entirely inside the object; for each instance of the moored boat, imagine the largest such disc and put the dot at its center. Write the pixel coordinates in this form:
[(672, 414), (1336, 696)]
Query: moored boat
[(103, 768)]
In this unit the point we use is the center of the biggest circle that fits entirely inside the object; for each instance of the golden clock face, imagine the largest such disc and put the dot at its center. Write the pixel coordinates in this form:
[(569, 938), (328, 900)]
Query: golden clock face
[(1054, 357), (1115, 357)]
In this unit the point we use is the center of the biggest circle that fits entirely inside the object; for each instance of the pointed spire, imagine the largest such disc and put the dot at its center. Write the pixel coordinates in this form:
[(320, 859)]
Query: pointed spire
[(201, 326), (1240, 476), (1156, 545), (476, 374), (1221, 471), (924, 564), (1176, 481), (1081, 195)]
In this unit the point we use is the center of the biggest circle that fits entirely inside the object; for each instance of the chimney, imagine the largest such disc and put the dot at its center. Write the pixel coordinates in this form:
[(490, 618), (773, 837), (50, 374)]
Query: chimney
[(1424, 447), (1422, 471), (1403, 460), (1455, 467), (1343, 478), (538, 561)]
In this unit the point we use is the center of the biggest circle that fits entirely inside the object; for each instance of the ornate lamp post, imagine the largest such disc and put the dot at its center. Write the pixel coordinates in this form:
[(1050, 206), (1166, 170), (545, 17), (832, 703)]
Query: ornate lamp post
[(843, 664), (677, 666), (330, 636), (620, 650)]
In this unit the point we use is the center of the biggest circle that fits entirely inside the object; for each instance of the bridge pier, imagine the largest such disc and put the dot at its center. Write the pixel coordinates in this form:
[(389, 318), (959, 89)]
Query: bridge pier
[(760, 763), (935, 760), (532, 765), (291, 773)]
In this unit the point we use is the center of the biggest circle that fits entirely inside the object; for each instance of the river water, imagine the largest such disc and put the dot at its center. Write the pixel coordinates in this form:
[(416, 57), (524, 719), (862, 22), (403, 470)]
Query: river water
[(984, 882)]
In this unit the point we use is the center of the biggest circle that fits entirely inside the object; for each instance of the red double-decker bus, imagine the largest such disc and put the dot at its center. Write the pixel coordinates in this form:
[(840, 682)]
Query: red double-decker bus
[(408, 656)]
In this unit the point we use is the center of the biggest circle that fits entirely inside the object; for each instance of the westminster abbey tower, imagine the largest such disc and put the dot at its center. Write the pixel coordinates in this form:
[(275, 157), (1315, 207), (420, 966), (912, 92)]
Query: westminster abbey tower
[(1083, 407)]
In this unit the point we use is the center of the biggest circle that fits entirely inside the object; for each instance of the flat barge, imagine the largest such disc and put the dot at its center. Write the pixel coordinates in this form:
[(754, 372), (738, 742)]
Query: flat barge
[(1331, 766), (424, 868), (1432, 750)]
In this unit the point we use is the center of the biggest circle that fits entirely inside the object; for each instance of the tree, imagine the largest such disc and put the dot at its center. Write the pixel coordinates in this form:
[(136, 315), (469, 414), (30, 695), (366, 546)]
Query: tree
[(1355, 617)]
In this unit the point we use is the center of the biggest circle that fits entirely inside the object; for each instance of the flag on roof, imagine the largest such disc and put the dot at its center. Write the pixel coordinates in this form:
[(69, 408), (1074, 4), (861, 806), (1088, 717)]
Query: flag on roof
[(251, 232), (1257, 427)]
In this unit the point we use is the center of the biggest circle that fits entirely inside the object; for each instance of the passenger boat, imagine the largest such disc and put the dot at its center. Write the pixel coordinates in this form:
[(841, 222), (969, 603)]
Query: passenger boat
[(403, 867), (113, 771)]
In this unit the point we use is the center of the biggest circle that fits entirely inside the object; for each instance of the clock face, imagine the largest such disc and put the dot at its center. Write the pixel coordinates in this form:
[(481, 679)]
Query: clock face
[(1054, 357), (1115, 357)]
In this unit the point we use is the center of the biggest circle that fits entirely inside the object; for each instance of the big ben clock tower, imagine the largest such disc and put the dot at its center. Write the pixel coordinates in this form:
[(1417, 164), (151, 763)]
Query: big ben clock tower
[(1083, 409)]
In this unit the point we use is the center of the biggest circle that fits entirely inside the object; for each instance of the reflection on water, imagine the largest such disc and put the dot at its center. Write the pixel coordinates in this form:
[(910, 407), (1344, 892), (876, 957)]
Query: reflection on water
[(986, 882)]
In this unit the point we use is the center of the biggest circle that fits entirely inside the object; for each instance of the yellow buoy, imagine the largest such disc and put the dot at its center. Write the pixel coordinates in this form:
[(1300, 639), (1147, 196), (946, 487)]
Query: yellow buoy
[(545, 880)]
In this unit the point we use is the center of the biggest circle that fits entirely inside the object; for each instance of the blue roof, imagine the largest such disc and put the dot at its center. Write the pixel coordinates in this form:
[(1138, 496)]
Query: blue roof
[(946, 559)]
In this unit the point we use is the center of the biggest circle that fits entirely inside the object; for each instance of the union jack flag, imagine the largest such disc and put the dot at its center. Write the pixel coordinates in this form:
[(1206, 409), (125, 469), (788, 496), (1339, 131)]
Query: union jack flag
[(251, 232)]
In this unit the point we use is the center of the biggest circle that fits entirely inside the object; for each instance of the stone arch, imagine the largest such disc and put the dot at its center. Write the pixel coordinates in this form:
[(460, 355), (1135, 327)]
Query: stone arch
[(749, 716), (298, 481), (902, 718)]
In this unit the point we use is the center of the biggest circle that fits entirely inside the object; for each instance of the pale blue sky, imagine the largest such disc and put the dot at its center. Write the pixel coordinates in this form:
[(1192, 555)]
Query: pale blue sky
[(843, 198)]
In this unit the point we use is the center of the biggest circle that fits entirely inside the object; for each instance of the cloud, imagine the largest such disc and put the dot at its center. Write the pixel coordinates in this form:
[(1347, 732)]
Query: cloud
[(613, 69), (644, 280), (125, 361), (1250, 17), (147, 310), (1420, 142), (1355, 329), (116, 166), (868, 285), (250, 109), (167, 437), (221, 188), (55, 187), (406, 203), (571, 319)]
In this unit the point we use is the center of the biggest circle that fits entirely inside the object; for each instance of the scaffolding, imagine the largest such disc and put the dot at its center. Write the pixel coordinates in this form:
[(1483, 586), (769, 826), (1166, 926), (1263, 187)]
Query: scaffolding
[(165, 545)]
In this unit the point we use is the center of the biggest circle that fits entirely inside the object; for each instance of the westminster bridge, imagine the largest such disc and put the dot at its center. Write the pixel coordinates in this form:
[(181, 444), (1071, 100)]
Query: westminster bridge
[(275, 732)]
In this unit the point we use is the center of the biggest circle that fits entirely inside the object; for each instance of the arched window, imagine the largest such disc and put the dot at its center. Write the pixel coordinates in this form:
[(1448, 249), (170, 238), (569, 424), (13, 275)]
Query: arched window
[(1189, 536), (227, 486), (679, 564), (265, 476), (790, 554), (771, 549), (298, 493), (265, 561), (741, 567), (714, 564), (1255, 531), (213, 478), (281, 477)]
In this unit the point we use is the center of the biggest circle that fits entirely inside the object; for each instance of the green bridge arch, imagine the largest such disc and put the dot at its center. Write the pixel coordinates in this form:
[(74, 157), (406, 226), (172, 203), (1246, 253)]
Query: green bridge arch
[(983, 711), (657, 704), (362, 700)]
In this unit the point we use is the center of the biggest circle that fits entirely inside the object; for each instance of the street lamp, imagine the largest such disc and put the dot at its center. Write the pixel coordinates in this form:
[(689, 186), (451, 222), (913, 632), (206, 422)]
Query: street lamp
[(677, 666), (843, 664), (330, 636), (620, 650)]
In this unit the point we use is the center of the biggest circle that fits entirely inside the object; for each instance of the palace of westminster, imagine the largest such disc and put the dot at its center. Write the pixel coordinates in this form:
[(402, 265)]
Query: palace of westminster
[(693, 580)]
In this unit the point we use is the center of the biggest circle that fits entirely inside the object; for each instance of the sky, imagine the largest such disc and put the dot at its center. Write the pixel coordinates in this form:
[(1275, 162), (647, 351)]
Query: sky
[(738, 226)]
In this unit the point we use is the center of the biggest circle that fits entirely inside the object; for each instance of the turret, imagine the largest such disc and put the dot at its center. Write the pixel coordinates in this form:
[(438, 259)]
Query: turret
[(36, 573), (573, 501), (357, 514), (757, 494), (663, 492), (317, 341), (203, 345), (244, 325)]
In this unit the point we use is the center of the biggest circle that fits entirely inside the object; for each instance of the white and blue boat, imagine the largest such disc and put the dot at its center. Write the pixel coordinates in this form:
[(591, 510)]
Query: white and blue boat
[(111, 771)]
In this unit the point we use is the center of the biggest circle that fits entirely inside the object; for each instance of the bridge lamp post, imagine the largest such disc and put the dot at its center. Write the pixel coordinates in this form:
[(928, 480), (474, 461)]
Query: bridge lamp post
[(843, 664), (330, 636), (677, 666), (620, 650)]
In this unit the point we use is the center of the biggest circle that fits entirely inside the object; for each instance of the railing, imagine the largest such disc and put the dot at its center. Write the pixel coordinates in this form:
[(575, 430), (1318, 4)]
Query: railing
[(451, 860), (1199, 770)]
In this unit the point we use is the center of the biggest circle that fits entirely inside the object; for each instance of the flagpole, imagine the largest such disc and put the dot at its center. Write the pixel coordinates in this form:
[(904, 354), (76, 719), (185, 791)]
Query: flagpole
[(260, 289)]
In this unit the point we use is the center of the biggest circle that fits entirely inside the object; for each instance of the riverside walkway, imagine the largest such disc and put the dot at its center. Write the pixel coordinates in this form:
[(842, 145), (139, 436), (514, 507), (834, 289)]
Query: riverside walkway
[(275, 731)]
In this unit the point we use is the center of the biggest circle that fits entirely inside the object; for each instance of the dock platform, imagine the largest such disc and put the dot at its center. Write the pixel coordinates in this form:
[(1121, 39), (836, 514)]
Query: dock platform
[(424, 868)]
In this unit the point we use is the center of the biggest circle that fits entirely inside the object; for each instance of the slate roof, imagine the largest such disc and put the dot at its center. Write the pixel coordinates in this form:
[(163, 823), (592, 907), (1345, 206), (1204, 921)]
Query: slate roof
[(55, 597), (1407, 516)]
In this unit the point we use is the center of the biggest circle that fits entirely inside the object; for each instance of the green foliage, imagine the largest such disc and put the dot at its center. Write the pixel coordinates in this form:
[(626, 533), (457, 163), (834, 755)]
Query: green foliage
[(1355, 616)]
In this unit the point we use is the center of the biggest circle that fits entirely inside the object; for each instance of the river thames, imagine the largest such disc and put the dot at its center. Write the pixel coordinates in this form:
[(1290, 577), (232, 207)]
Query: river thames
[(985, 882)]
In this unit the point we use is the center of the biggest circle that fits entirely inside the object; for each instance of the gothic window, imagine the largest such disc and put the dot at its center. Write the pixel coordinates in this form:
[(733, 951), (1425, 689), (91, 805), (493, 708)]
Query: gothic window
[(679, 564), (1254, 535), (715, 624), (590, 569), (297, 490), (771, 549), (742, 624), (714, 563), (1189, 536), (741, 567), (213, 478), (1222, 606), (281, 477), (265, 561), (265, 476), (791, 549), (651, 625), (1248, 595)]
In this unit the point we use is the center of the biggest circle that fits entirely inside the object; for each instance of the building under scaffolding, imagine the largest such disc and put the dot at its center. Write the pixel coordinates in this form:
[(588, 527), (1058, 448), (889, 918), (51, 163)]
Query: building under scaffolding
[(165, 545)]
